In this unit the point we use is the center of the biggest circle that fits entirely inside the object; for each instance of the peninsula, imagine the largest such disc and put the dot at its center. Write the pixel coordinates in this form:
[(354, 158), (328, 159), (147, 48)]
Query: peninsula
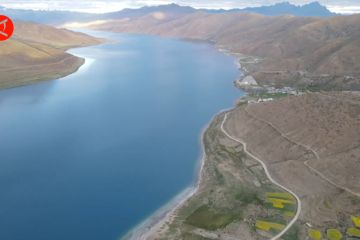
[(38, 52)]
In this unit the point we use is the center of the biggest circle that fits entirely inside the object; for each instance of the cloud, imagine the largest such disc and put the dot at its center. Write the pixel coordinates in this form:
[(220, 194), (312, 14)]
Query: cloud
[(344, 9), (100, 6)]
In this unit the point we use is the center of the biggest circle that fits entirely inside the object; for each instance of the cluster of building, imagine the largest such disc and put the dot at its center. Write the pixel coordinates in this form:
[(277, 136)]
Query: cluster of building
[(260, 100), (284, 90), (263, 93)]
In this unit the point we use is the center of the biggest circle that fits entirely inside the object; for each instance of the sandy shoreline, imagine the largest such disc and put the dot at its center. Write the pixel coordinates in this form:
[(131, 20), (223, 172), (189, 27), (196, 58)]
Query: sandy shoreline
[(153, 224)]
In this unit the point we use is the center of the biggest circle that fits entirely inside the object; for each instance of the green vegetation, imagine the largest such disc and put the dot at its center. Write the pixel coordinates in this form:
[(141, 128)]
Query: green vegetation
[(279, 203), (315, 234), (355, 200), (356, 221), (229, 194), (189, 236), (334, 234), (219, 177), (327, 203), (264, 94), (248, 196), (282, 195), (353, 232), (312, 88), (273, 95), (269, 226), (278, 218), (289, 214), (292, 234), (210, 219)]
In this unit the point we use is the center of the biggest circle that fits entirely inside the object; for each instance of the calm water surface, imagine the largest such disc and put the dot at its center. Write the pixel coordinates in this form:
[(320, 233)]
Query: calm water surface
[(90, 156)]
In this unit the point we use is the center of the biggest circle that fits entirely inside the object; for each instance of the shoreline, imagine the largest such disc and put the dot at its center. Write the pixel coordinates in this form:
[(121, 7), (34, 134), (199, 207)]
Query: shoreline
[(84, 63), (152, 224), (43, 78), (83, 67)]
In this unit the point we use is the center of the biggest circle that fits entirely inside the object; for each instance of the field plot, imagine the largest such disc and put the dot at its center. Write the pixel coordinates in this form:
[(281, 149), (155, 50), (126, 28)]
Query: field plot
[(235, 197), (334, 234), (315, 234)]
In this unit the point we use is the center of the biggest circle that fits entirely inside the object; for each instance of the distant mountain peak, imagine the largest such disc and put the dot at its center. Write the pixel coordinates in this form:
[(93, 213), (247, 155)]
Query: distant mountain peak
[(286, 3), (313, 9), (315, 3), (174, 5), (283, 4)]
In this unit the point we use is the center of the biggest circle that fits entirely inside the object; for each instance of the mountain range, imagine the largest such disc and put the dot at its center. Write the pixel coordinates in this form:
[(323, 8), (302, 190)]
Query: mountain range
[(302, 51), (314, 9), (291, 50)]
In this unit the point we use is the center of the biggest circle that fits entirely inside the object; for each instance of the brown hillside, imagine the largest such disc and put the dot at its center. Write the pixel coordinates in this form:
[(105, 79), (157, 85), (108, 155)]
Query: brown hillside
[(36, 52), (297, 50), (311, 144)]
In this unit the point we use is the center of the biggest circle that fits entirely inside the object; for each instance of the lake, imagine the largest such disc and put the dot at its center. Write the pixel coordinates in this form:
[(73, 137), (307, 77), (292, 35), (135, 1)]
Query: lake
[(92, 155)]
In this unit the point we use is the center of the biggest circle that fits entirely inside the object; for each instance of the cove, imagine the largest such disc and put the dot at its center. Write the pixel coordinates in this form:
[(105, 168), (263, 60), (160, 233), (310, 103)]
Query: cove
[(91, 155)]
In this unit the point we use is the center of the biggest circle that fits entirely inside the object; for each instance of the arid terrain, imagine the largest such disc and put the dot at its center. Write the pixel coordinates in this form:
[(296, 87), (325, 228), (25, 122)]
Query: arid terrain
[(296, 51), (284, 168), (37, 52), (309, 143), (312, 149), (233, 196)]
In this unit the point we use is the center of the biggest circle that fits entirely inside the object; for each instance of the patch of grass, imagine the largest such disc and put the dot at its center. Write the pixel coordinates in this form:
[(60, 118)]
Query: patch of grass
[(248, 196), (264, 94), (275, 218), (289, 214), (355, 200), (353, 232), (292, 234), (281, 195), (273, 95), (190, 236), (219, 177), (312, 88), (210, 219), (327, 204)]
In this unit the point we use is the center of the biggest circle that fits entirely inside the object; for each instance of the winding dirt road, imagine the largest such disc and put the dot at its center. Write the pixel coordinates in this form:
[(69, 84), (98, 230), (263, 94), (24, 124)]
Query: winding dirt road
[(298, 211)]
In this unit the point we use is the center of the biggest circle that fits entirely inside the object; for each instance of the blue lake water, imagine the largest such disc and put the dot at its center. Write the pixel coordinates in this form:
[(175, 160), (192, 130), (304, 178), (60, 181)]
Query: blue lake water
[(93, 154)]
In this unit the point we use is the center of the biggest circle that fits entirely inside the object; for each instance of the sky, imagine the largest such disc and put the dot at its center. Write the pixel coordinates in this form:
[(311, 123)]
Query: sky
[(101, 6)]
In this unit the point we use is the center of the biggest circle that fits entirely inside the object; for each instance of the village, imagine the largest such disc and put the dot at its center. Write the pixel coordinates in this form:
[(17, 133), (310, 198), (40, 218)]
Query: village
[(260, 94)]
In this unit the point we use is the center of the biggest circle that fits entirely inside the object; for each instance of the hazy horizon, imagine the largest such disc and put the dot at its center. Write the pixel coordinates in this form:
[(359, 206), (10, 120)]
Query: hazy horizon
[(102, 6)]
